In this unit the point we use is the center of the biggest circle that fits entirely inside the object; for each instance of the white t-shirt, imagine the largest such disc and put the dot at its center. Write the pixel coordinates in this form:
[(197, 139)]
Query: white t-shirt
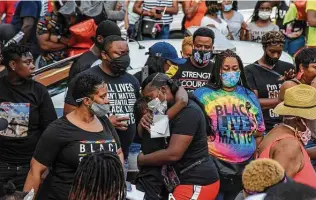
[(221, 26), (257, 32)]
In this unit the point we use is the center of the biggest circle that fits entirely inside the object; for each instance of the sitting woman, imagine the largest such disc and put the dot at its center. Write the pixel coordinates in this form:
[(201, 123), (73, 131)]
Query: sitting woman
[(237, 118), (185, 154), (67, 140), (284, 143), (187, 47)]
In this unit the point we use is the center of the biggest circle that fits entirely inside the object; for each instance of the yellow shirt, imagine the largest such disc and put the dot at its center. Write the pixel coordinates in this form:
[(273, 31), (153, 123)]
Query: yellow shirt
[(311, 34)]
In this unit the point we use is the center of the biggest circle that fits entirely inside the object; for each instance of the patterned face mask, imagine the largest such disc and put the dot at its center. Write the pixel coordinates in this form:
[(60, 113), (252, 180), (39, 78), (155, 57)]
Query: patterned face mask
[(230, 79)]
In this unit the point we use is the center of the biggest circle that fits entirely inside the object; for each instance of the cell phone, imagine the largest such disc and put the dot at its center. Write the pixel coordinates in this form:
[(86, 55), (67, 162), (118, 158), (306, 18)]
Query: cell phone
[(145, 73)]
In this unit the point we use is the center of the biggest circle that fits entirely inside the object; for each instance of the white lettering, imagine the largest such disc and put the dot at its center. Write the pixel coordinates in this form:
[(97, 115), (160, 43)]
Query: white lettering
[(82, 148)]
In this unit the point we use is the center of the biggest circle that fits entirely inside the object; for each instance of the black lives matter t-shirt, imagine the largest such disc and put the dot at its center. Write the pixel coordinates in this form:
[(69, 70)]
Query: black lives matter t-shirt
[(82, 63), (122, 93), (192, 77), (268, 85), (185, 124), (63, 145), (28, 109)]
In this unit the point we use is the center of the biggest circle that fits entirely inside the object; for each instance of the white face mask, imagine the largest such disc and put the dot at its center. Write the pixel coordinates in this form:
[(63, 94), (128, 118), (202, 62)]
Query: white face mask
[(264, 15), (158, 107)]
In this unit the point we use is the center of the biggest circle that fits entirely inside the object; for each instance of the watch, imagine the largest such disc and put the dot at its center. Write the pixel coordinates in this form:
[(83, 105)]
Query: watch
[(58, 38)]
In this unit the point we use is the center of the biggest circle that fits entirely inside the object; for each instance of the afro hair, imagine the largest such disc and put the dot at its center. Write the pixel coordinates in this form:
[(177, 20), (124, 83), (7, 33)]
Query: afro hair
[(261, 174)]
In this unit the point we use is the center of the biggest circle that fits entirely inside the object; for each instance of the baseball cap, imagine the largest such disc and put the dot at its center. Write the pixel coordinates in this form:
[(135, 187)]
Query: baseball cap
[(107, 28), (166, 51), (69, 8)]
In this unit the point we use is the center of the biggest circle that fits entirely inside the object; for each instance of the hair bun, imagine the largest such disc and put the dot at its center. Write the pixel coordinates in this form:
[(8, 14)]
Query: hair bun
[(9, 188)]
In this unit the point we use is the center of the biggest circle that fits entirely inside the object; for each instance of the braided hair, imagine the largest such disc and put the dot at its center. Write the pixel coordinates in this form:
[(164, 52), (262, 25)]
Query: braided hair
[(216, 81), (99, 176), (273, 38)]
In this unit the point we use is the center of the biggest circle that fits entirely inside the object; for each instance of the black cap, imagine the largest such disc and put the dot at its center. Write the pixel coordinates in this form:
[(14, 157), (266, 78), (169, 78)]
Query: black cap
[(107, 28)]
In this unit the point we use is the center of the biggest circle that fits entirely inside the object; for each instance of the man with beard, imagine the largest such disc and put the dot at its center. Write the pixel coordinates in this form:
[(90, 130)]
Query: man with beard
[(87, 59), (123, 89), (266, 76)]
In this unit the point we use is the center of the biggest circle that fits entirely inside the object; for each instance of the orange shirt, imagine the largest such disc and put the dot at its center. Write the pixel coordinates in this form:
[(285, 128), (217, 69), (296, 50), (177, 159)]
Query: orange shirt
[(200, 13)]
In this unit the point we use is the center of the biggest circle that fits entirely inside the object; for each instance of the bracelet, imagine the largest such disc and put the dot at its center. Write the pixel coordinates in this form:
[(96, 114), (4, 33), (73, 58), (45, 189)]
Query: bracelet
[(58, 38)]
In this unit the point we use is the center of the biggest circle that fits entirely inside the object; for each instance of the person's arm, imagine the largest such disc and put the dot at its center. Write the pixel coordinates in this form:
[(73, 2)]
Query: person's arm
[(47, 113), (117, 15), (311, 13), (190, 8), (181, 102), (289, 154), (138, 9), (183, 129), (28, 23), (177, 146), (126, 20), (47, 45), (33, 179), (312, 153), (170, 10), (267, 103)]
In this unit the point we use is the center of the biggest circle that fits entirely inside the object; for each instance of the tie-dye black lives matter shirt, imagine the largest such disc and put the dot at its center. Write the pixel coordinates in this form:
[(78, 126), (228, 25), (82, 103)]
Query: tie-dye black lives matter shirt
[(62, 147)]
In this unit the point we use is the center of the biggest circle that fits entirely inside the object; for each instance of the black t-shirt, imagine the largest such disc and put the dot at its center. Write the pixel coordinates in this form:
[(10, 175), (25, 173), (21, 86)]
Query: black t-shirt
[(280, 14), (192, 77), (4, 72), (63, 145), (185, 124), (29, 110), (122, 92), (82, 63), (268, 86)]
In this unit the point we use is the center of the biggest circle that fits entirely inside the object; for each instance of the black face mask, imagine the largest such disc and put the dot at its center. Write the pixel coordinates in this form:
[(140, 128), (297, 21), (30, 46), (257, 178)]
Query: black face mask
[(202, 57), (120, 64), (270, 61)]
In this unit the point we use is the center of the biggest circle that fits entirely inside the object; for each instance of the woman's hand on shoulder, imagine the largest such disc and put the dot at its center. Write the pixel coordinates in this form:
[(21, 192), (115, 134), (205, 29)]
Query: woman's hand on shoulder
[(147, 120)]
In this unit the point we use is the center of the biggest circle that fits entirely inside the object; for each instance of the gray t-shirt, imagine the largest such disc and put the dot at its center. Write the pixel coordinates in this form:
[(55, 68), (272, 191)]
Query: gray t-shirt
[(234, 24), (257, 32)]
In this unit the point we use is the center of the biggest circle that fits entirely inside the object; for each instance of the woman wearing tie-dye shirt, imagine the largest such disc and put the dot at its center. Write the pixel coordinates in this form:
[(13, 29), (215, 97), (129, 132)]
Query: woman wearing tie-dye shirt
[(236, 117)]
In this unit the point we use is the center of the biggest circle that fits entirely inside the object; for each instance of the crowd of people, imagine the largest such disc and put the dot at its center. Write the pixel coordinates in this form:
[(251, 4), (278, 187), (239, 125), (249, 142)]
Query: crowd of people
[(209, 128)]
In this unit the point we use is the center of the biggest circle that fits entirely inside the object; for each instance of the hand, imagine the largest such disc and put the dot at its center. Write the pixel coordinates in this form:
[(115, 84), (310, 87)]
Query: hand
[(139, 160), (153, 13), (182, 96), (146, 121), (64, 40), (289, 75), (117, 122), (118, 6)]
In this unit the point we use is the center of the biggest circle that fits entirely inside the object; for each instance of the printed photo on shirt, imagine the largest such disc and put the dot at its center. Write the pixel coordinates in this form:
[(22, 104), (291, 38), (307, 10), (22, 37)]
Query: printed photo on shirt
[(17, 115)]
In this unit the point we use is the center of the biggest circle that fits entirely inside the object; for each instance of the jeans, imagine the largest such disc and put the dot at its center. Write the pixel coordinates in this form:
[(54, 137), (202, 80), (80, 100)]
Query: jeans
[(130, 30), (293, 45), (14, 173), (162, 35)]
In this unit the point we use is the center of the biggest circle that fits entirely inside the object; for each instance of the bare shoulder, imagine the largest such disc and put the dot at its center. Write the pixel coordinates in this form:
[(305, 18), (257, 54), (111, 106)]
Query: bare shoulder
[(289, 147)]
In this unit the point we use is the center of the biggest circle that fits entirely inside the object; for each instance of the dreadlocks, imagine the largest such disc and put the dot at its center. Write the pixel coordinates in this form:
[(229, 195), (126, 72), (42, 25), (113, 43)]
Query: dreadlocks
[(13, 52), (216, 82), (99, 176), (273, 38)]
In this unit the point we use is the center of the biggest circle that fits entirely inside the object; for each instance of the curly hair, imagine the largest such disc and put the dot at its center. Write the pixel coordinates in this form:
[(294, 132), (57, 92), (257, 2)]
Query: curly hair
[(273, 38), (261, 174), (188, 40)]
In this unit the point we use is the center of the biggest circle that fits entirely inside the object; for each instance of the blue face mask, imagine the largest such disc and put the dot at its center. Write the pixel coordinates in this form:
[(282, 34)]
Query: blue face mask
[(230, 79), (228, 7)]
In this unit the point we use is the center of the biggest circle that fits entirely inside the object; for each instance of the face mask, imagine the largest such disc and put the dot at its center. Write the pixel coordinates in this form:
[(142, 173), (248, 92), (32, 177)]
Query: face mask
[(306, 135), (271, 61), (158, 107), (219, 12), (230, 79), (228, 7), (120, 64), (100, 110), (202, 57), (264, 15)]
